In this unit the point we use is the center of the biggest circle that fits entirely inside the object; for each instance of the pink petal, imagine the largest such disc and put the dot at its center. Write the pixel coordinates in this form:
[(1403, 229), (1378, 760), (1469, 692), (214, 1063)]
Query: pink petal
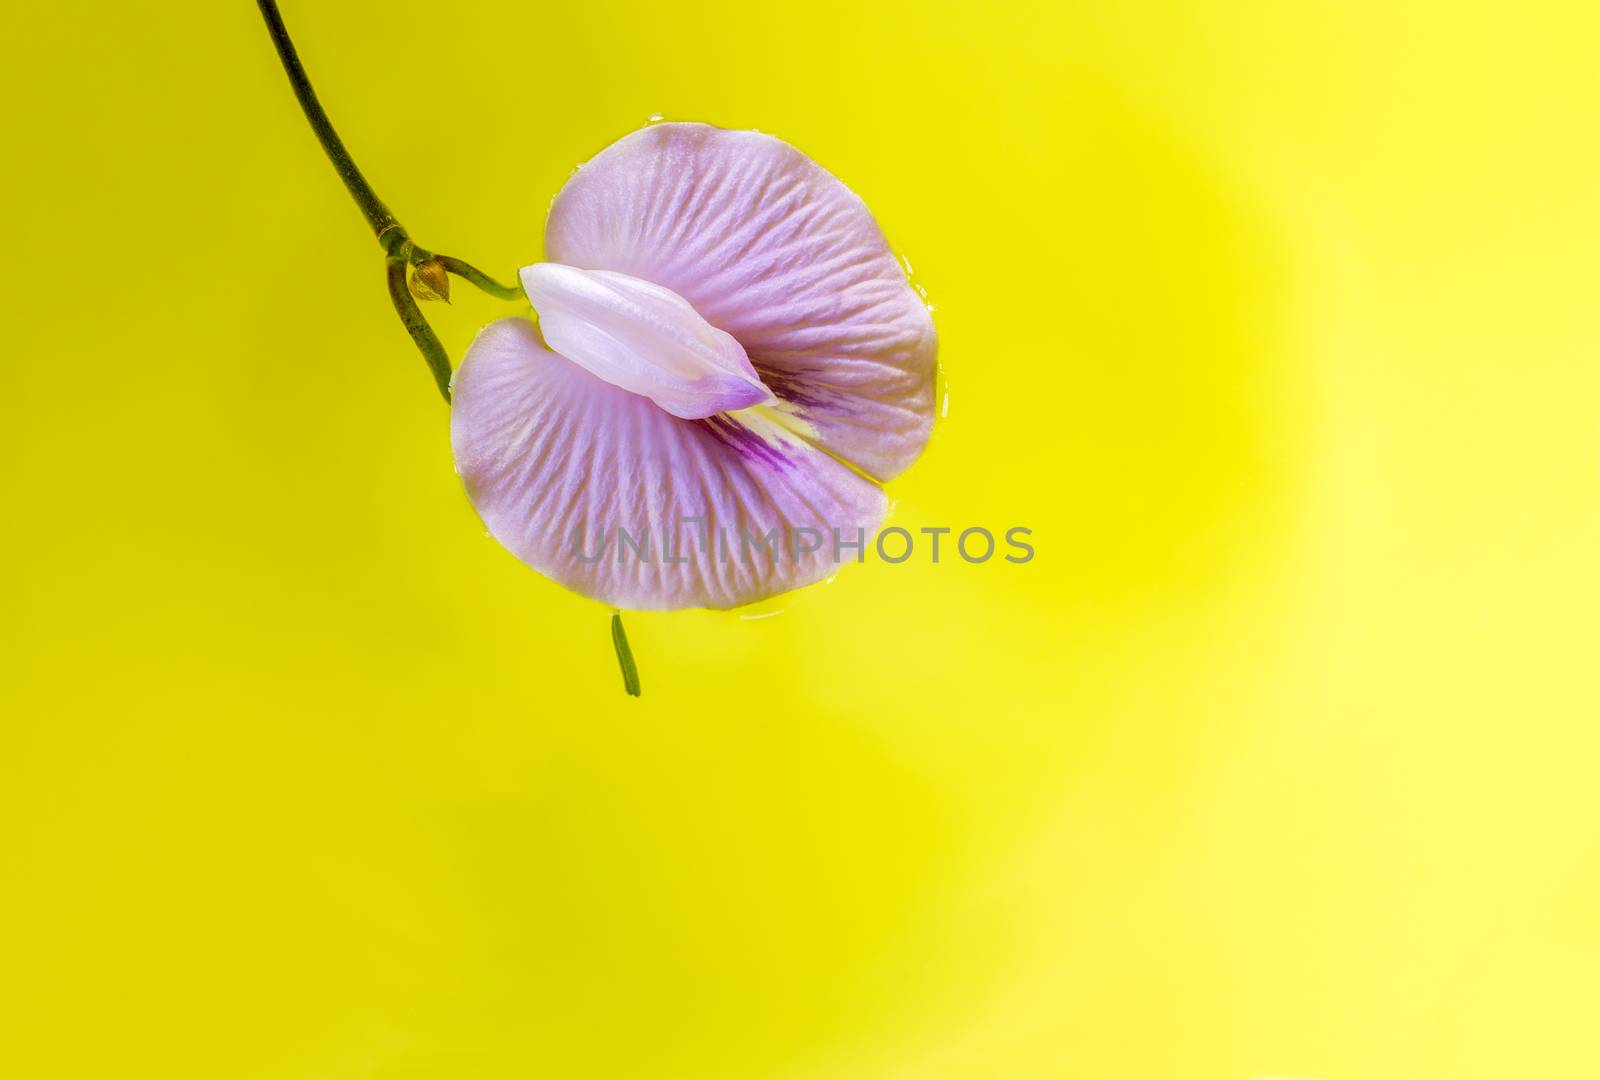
[(551, 455), (770, 247), (642, 337)]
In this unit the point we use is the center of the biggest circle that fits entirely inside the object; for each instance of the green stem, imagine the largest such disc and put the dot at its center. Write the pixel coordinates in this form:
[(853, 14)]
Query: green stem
[(392, 236), (417, 326), (402, 253), (619, 641), (480, 279), (377, 214)]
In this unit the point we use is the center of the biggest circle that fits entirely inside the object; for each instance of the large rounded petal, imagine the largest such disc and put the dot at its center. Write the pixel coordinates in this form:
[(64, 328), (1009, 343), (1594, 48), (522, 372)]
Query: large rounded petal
[(770, 247), (615, 498)]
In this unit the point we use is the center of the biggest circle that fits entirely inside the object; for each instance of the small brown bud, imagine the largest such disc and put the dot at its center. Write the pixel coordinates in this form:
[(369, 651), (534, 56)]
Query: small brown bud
[(429, 281)]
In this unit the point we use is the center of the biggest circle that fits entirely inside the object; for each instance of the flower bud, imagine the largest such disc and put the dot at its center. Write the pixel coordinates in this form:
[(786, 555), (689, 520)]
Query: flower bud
[(429, 281)]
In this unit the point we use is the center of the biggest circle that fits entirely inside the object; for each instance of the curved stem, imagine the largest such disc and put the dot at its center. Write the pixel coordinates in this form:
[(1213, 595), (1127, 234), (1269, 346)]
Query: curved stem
[(401, 254), (477, 277), (377, 214), (417, 326), (397, 244)]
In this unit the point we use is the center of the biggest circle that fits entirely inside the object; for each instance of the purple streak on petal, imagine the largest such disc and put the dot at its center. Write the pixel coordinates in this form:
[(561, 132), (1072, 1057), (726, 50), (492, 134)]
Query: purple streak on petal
[(791, 389), (747, 443)]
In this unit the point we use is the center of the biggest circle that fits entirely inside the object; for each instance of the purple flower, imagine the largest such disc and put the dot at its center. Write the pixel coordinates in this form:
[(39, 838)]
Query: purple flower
[(730, 351)]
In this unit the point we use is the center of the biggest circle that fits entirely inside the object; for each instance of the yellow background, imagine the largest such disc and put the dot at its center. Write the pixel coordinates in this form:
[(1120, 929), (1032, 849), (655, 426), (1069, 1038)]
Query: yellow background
[(1276, 322)]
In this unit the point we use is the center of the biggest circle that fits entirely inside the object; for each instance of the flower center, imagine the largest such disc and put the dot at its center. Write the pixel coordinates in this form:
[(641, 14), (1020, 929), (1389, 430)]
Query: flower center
[(644, 338)]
